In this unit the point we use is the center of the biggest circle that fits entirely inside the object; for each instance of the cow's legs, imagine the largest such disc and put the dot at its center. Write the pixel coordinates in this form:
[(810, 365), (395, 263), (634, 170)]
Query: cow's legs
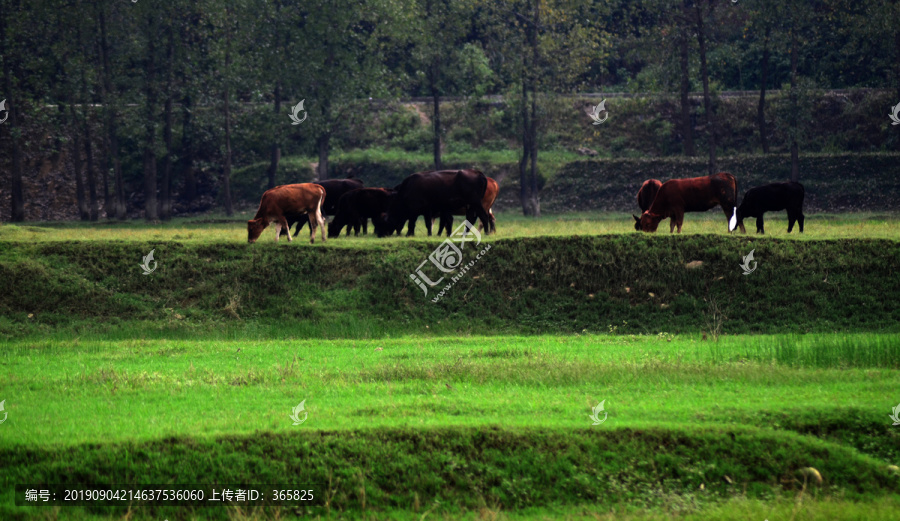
[(760, 227), (429, 222), (672, 225), (321, 221), (365, 225), (301, 221), (481, 214), (280, 223), (795, 216), (446, 222), (679, 222), (411, 226)]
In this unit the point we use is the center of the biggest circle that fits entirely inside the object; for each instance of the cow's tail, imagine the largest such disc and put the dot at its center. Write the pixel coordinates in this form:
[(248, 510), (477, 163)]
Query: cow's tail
[(320, 220)]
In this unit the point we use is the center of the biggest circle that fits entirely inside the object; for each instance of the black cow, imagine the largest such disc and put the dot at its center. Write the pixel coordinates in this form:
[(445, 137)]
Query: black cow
[(435, 193), (356, 207), (334, 189), (772, 198)]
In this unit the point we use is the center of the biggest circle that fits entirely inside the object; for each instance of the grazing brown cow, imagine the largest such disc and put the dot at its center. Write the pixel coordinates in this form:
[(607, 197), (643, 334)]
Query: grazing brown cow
[(490, 195), (696, 194), (645, 197), (288, 200)]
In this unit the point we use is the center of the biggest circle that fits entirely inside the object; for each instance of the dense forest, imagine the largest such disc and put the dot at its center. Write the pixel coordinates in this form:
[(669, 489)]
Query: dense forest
[(142, 96)]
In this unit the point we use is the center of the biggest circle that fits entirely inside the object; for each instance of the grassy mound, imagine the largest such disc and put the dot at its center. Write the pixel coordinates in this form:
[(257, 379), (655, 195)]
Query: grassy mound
[(467, 469), (636, 282)]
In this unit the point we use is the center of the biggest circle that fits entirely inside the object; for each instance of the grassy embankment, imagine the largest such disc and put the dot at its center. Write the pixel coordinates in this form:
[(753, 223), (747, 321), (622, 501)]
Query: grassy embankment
[(71, 280)]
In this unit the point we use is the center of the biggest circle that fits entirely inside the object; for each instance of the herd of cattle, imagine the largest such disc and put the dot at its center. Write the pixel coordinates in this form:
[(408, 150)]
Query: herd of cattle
[(445, 193), (441, 193)]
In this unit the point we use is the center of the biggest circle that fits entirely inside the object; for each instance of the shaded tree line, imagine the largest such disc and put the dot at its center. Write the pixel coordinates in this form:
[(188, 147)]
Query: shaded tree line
[(98, 60)]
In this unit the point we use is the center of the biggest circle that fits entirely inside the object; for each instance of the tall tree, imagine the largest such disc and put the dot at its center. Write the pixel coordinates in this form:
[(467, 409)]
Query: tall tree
[(687, 127), (343, 62), (703, 10), (88, 141), (109, 100), (226, 98), (526, 37), (172, 15), (7, 51), (439, 41), (83, 213), (151, 92)]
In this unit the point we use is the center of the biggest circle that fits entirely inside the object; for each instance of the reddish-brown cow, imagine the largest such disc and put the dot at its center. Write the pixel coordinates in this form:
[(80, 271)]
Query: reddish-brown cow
[(697, 194), (288, 200)]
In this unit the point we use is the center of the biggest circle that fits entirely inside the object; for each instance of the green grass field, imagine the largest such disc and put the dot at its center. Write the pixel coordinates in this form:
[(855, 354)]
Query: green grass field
[(218, 228), (719, 389)]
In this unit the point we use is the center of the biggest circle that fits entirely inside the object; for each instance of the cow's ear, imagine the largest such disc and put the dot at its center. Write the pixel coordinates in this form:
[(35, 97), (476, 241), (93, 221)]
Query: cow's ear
[(636, 218)]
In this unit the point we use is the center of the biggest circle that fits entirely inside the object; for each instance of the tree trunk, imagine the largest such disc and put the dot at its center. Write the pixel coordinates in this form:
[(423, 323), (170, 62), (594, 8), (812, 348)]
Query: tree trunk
[(83, 212), (89, 173), (189, 192), (707, 102), (89, 150), (524, 185), (151, 211), (109, 107), (795, 149), (761, 110), (532, 139), (17, 199), (433, 77), (165, 207), (322, 143), (275, 156), (226, 173), (687, 129), (897, 63), (104, 176)]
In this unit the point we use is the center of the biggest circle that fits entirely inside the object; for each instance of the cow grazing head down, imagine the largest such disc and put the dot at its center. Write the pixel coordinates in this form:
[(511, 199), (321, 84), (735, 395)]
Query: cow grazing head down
[(648, 222), (255, 228)]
